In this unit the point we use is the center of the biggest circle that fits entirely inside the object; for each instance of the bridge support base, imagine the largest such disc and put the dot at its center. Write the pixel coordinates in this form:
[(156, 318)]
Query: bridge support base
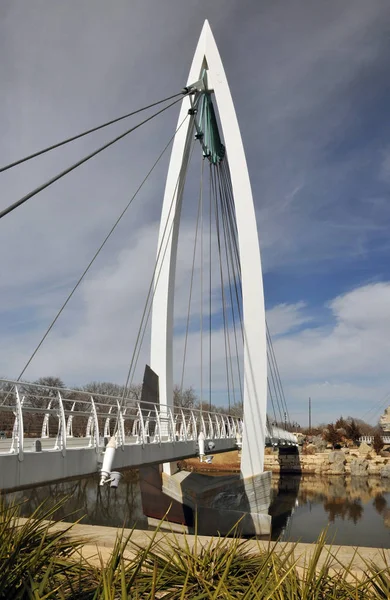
[(220, 502)]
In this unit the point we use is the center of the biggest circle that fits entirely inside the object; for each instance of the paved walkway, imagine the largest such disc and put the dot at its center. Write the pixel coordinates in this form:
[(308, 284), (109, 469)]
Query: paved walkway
[(100, 540)]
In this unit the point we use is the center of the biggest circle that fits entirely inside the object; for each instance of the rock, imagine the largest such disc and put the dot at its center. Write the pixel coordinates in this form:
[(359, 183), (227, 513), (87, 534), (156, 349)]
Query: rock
[(359, 467), (310, 449), (319, 443), (364, 449), (374, 468), (336, 462), (385, 471)]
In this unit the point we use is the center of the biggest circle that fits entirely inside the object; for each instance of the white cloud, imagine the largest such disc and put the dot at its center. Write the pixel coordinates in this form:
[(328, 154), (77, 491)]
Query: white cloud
[(283, 318), (344, 364)]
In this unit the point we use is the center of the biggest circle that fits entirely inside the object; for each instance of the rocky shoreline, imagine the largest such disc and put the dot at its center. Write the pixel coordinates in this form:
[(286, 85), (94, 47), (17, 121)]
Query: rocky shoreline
[(354, 462), (357, 462)]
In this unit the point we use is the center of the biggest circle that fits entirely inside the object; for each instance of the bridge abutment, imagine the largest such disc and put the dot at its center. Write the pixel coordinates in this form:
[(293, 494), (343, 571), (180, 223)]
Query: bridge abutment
[(223, 502)]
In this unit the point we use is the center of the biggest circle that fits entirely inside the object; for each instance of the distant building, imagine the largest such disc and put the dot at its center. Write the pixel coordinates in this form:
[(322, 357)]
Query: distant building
[(384, 421)]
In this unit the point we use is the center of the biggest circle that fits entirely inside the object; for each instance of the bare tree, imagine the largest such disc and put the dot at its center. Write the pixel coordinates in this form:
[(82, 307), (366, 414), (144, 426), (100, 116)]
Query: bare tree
[(185, 398)]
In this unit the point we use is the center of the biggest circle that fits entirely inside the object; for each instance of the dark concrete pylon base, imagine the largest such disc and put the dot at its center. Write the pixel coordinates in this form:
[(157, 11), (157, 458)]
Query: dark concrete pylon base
[(221, 501)]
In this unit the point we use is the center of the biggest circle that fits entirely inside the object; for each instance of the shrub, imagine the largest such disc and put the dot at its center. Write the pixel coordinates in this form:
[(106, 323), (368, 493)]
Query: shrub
[(332, 435), (377, 443), (353, 431)]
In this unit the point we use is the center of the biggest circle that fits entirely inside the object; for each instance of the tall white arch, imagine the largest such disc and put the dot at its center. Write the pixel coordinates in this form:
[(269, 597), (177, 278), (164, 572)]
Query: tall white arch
[(255, 349)]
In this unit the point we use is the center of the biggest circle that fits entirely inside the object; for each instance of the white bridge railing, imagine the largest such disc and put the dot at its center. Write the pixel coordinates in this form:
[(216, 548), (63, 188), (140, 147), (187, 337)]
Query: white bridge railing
[(35, 418), (368, 439)]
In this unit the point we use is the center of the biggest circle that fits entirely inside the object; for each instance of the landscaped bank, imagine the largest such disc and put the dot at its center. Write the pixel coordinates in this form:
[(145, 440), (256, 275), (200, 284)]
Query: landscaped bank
[(85, 562), (359, 462)]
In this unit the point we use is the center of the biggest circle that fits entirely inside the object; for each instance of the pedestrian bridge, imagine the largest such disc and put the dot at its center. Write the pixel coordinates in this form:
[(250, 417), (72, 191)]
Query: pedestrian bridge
[(49, 433)]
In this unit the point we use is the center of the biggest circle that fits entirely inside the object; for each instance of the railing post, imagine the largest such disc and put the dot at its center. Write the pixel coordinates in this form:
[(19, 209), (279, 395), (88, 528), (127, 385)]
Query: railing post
[(106, 431), (202, 425), (61, 434), (211, 428), (69, 424), (45, 433), (121, 426), (184, 425), (142, 424), (172, 425), (95, 424), (158, 426), (147, 432), (217, 426), (222, 426), (19, 426), (135, 430), (194, 427)]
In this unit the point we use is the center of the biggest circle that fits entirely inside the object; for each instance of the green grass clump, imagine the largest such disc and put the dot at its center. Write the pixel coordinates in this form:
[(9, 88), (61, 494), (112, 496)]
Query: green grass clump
[(40, 562)]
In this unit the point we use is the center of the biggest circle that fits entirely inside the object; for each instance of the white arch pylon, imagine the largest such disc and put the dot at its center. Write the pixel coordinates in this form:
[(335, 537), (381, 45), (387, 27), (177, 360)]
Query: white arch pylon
[(255, 345)]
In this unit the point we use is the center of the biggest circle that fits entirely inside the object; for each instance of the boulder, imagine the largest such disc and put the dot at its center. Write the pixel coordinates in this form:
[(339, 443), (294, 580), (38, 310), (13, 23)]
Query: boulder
[(359, 467), (385, 471), (364, 449), (336, 462), (319, 443), (310, 449)]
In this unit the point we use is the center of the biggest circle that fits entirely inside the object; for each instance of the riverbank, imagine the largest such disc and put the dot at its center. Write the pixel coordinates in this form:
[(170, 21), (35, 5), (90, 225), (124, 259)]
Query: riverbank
[(356, 462)]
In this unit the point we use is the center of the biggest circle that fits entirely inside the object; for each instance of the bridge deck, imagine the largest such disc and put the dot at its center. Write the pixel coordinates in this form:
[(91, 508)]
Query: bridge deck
[(48, 434)]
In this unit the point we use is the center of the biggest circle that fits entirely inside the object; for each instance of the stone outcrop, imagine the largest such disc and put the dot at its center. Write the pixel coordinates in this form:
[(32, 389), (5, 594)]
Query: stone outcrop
[(337, 462), (359, 467), (364, 449), (385, 471), (311, 449)]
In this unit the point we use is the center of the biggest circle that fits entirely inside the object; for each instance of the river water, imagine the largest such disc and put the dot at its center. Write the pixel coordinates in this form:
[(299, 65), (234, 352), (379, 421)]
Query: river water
[(356, 511)]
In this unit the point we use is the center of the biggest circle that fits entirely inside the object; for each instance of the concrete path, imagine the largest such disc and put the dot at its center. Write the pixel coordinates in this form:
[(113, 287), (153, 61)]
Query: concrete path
[(100, 541)]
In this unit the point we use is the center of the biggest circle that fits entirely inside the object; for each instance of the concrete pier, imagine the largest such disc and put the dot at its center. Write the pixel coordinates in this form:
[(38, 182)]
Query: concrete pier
[(222, 501)]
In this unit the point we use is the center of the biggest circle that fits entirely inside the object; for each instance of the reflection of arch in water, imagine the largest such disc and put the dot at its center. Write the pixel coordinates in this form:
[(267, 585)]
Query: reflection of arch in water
[(283, 505)]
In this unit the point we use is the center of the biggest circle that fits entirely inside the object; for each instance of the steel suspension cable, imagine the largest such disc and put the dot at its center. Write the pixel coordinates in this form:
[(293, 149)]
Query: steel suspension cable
[(279, 392), (152, 287), (278, 379), (89, 265), (83, 160), (201, 290), (233, 236), (87, 132), (271, 379), (210, 287), (222, 286), (191, 287), (230, 268), (227, 241), (270, 360)]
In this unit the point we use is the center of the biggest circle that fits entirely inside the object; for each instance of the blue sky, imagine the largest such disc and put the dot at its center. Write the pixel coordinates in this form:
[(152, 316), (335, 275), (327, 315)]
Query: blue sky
[(311, 85)]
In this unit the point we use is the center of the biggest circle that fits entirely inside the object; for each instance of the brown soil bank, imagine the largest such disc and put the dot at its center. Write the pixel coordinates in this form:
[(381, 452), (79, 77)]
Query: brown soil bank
[(225, 462)]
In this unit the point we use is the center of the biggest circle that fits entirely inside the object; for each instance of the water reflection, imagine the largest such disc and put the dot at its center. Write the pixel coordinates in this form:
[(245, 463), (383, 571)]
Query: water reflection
[(356, 510), (284, 498), (85, 498)]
